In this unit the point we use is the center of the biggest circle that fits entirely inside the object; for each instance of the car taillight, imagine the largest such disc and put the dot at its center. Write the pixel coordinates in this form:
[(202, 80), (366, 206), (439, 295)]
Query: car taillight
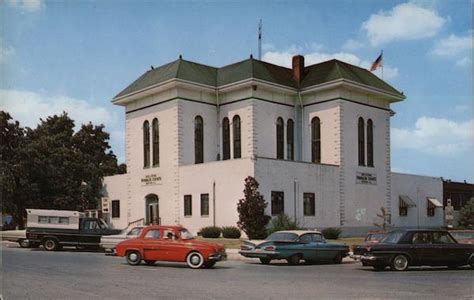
[(269, 248)]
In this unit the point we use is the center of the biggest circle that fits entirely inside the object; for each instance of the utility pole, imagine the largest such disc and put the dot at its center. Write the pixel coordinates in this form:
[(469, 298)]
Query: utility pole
[(260, 40)]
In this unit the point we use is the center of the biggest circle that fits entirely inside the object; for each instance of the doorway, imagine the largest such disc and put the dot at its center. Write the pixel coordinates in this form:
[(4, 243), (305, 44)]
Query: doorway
[(152, 210)]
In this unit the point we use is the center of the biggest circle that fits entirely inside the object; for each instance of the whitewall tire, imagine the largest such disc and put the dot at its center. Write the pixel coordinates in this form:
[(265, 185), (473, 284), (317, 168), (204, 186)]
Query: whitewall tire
[(400, 262), (134, 258), (195, 260)]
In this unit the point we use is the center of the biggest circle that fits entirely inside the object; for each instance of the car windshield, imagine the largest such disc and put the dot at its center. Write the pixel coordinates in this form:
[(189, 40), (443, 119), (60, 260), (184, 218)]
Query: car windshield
[(376, 236), (185, 234), (282, 236), (393, 237)]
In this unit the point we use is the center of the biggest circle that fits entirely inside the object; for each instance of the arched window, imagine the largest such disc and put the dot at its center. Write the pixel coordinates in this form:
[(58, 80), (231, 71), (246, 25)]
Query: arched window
[(370, 143), (316, 140), (155, 133), (279, 138), (198, 140), (236, 133), (361, 142), (225, 139), (290, 140), (146, 144)]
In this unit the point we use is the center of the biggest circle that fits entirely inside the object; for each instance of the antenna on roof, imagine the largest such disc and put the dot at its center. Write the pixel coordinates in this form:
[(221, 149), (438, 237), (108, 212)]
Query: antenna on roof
[(260, 40)]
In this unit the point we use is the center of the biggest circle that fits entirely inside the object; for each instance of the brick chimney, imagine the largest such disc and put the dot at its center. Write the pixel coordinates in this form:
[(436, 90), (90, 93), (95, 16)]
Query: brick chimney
[(298, 68)]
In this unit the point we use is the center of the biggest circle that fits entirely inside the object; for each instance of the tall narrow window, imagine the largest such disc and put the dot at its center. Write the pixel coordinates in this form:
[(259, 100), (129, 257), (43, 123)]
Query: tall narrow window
[(146, 144), (225, 139), (278, 203), (115, 208), (316, 140), (279, 139), (204, 204), (290, 140), (188, 205), (198, 140), (236, 133), (308, 204), (361, 142), (156, 142), (370, 143)]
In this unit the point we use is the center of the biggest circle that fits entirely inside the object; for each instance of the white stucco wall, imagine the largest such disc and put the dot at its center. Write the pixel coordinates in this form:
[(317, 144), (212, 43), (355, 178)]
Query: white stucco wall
[(418, 188), (115, 188)]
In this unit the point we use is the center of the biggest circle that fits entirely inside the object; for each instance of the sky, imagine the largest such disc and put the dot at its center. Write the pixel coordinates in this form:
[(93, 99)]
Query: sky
[(75, 56)]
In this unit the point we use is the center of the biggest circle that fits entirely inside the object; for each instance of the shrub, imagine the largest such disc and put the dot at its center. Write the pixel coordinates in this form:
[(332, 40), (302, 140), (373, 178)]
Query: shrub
[(252, 217), (282, 222), (211, 232), (231, 232), (331, 233), (466, 215)]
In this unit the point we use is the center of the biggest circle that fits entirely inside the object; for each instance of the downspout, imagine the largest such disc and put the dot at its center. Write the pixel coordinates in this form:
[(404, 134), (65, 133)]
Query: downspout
[(214, 203), (302, 126)]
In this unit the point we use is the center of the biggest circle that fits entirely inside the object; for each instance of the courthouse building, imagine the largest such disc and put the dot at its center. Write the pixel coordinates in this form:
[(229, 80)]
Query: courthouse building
[(316, 138)]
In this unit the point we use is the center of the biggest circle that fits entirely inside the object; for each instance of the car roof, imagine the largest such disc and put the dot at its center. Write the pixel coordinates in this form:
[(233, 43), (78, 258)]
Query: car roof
[(461, 230), (164, 227), (417, 229), (299, 232)]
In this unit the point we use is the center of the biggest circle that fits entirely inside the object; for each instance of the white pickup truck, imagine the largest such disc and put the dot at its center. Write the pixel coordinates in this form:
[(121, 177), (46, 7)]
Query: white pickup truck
[(17, 236)]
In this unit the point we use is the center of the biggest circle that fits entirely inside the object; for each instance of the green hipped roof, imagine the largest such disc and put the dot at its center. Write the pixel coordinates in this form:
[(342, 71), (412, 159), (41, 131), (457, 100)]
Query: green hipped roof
[(252, 68)]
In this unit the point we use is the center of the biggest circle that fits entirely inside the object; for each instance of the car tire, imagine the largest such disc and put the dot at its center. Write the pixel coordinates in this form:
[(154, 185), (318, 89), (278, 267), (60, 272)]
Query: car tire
[(265, 260), (210, 264), (24, 243), (195, 260), (149, 262), (134, 258), (293, 260), (400, 262), (50, 244), (338, 258)]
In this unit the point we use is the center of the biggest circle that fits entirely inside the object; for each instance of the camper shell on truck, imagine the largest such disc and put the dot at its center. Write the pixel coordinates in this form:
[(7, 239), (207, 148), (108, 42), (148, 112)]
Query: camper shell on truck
[(56, 228)]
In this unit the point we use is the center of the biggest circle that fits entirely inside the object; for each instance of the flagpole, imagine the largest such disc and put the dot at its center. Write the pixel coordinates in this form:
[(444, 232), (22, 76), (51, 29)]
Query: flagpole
[(383, 63)]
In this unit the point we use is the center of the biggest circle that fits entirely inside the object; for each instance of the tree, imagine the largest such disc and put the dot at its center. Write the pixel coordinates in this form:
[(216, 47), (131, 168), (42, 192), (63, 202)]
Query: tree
[(466, 214), (251, 209), (385, 219)]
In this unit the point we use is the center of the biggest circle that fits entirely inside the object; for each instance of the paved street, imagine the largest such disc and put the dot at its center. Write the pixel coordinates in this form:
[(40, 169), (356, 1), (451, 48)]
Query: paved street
[(37, 274)]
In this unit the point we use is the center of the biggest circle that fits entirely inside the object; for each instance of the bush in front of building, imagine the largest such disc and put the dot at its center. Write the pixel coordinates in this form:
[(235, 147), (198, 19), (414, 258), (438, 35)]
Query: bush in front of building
[(211, 232), (282, 222), (331, 233), (252, 217), (466, 215), (230, 232)]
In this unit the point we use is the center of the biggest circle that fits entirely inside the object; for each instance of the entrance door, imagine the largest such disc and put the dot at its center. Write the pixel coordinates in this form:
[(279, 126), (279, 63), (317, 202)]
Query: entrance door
[(152, 209)]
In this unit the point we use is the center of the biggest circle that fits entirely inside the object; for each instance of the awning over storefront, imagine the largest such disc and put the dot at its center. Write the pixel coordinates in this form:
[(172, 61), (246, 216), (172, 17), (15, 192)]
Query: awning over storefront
[(405, 201), (435, 202)]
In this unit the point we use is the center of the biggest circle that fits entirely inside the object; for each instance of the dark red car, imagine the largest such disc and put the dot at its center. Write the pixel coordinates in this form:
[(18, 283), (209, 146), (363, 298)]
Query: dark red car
[(372, 237), (170, 243)]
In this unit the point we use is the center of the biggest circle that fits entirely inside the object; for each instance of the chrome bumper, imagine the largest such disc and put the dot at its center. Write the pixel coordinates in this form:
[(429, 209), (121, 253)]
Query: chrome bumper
[(368, 258), (258, 253), (218, 256)]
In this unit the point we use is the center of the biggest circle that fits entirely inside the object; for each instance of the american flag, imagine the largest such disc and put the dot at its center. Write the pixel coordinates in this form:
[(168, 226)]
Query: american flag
[(377, 62)]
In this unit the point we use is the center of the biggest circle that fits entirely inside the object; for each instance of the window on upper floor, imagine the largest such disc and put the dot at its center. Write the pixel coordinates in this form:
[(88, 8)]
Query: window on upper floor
[(225, 139), (279, 139), (236, 133), (156, 142), (278, 203), (290, 140), (370, 143), (146, 144), (198, 140), (316, 140), (361, 142)]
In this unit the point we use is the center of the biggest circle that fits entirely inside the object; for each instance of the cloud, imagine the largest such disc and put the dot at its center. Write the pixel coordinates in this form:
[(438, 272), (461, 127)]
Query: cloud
[(454, 47), (351, 44), (436, 136), (406, 21), (27, 5), (6, 52), (284, 58)]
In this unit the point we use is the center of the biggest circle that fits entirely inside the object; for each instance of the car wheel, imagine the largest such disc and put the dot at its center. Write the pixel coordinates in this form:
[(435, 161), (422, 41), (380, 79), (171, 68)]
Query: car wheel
[(24, 243), (338, 258), (210, 264), (400, 263), (50, 244), (195, 260), (293, 260), (265, 260), (134, 258), (150, 262)]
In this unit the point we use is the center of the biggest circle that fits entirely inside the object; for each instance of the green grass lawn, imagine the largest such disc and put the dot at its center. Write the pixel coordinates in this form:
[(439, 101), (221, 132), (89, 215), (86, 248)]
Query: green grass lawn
[(235, 243)]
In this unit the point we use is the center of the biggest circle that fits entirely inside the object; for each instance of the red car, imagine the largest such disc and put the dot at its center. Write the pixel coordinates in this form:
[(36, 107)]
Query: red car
[(170, 243)]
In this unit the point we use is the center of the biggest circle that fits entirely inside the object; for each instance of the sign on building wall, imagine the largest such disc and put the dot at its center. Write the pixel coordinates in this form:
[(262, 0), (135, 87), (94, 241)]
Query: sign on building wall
[(366, 178), (105, 205), (151, 179)]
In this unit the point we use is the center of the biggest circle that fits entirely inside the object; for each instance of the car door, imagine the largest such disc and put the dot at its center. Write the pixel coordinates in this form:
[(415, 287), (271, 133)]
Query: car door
[(90, 233), (425, 253), (153, 245), (448, 251), (306, 246)]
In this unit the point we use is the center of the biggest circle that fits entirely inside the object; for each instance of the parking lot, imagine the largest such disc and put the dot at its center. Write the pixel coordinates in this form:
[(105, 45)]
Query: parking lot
[(72, 274)]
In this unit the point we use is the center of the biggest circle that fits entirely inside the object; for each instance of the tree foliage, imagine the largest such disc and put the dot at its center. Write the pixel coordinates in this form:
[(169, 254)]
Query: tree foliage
[(51, 166), (466, 214), (384, 217), (251, 209), (282, 222)]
